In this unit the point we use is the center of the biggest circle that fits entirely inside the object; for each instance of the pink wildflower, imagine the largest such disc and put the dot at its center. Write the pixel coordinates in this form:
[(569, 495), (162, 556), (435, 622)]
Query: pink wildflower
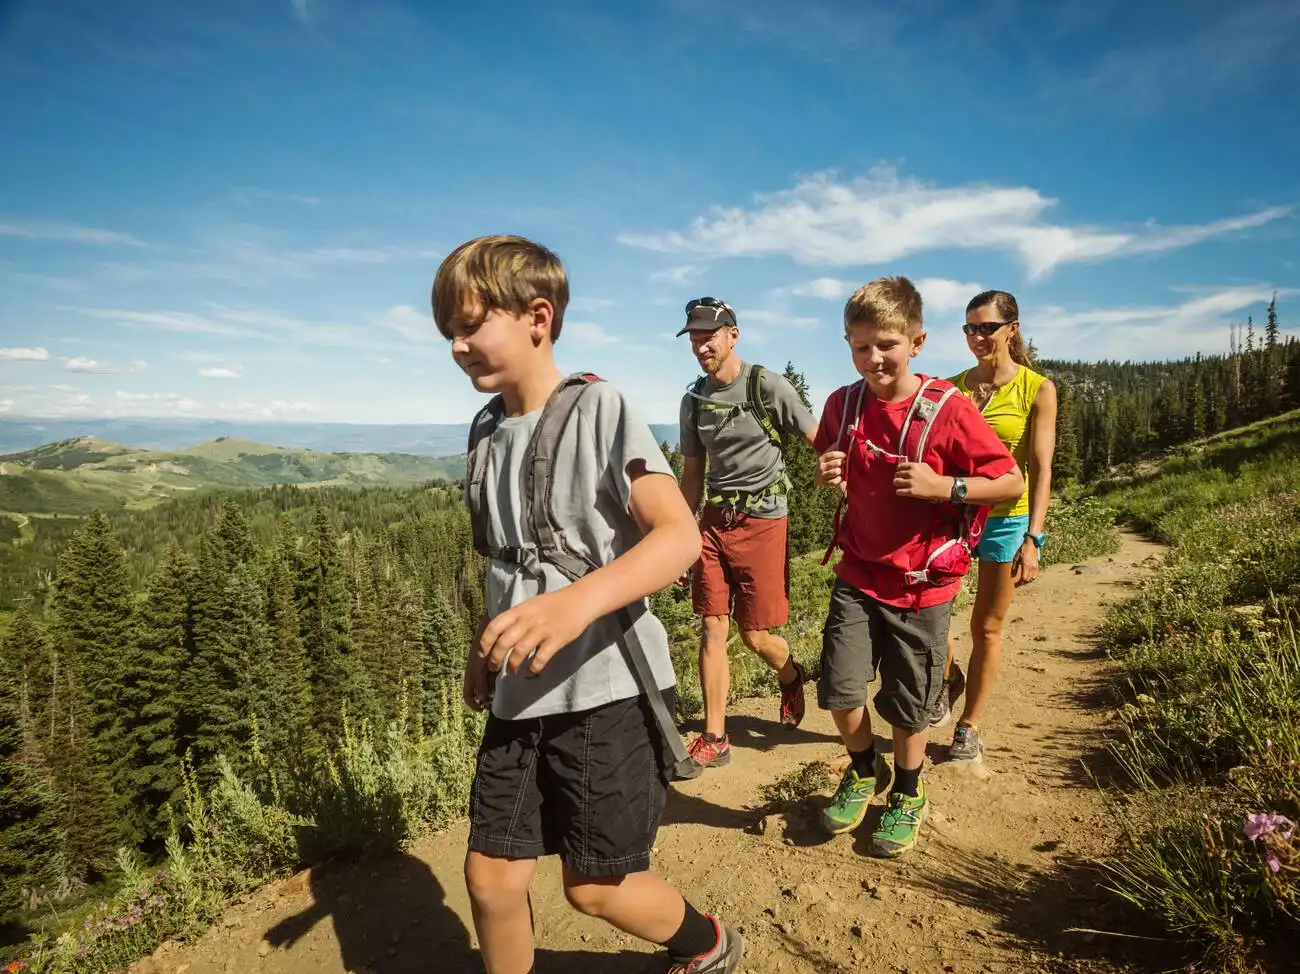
[(1261, 824)]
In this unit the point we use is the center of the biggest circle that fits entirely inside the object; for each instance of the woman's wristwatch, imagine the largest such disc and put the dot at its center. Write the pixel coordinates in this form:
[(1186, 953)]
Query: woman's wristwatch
[(1039, 538)]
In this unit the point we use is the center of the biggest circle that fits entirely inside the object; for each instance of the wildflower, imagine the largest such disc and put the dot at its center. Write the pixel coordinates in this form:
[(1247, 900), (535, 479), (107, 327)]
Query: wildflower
[(1261, 824), (14, 967)]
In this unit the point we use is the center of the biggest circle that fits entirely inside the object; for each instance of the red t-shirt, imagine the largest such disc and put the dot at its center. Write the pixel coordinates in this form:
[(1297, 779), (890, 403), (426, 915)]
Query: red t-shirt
[(884, 535)]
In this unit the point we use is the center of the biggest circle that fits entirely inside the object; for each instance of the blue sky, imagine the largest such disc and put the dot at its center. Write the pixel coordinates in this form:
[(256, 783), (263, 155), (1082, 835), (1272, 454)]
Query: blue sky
[(236, 209)]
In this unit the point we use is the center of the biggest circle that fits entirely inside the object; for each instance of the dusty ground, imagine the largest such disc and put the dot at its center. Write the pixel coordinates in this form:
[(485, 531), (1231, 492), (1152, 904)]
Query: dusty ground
[(997, 883)]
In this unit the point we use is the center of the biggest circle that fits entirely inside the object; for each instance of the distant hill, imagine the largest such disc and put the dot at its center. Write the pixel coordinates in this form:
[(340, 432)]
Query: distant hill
[(418, 439), (74, 476)]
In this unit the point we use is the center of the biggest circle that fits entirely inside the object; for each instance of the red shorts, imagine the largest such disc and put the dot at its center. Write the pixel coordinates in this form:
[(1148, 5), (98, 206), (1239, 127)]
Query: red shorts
[(743, 570)]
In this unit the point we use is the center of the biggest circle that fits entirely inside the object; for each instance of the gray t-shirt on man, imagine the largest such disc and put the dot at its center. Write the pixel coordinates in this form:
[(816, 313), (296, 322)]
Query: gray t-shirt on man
[(741, 454), (592, 493)]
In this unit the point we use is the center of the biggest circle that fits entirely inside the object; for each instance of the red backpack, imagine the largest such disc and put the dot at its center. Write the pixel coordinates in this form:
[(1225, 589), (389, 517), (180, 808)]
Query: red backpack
[(958, 528)]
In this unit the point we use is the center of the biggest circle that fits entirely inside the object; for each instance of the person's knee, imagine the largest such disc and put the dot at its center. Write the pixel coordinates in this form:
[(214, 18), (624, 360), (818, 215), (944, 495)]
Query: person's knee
[(985, 629), (754, 639), (590, 895), (496, 885), (716, 629)]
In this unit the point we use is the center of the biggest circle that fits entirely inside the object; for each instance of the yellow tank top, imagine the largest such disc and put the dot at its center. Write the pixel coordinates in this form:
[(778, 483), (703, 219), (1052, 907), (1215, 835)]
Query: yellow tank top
[(1007, 411)]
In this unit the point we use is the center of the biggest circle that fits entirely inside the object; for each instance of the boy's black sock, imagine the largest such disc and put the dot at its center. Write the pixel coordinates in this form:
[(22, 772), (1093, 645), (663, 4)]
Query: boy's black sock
[(697, 935), (906, 781), (864, 762)]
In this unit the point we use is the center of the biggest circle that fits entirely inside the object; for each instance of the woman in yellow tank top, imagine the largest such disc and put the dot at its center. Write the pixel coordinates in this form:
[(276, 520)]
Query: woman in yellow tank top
[(1020, 405)]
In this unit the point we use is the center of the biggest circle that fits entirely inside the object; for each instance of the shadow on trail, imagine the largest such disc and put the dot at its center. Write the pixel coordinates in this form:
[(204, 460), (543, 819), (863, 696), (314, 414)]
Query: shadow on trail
[(391, 916), (1063, 911), (760, 734)]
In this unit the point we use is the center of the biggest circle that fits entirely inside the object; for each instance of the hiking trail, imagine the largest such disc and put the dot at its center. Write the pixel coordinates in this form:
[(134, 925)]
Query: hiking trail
[(997, 880)]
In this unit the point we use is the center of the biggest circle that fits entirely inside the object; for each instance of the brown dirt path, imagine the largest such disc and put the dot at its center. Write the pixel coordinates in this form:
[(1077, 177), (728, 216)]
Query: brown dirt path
[(997, 881)]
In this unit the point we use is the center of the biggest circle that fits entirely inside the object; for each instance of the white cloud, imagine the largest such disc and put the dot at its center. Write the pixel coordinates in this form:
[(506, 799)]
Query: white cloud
[(220, 372), (411, 324), (139, 365), (882, 217), (676, 275), (276, 409), (177, 321), (781, 319), (6, 405), (589, 333), (60, 387), (246, 193), (302, 11), (57, 232), (590, 304), (173, 402), (24, 355), (826, 288), (83, 364), (380, 359), (944, 295)]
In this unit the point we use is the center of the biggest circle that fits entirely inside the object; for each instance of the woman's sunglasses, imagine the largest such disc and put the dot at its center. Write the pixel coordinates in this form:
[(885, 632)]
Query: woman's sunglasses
[(986, 328)]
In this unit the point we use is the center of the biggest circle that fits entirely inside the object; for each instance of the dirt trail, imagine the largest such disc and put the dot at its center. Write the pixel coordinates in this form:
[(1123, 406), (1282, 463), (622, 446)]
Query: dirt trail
[(999, 877)]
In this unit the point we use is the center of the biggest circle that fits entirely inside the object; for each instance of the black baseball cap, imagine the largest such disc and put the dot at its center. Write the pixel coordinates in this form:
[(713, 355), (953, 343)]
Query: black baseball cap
[(707, 314)]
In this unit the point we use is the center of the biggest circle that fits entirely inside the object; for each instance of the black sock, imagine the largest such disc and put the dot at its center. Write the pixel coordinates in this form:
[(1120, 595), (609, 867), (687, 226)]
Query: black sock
[(714, 738), (864, 762), (697, 935), (907, 782)]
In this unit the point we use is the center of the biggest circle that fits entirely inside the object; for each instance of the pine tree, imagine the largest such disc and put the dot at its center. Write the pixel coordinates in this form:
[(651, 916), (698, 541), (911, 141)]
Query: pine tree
[(25, 678), (248, 671), (325, 615), (811, 509), (1271, 330), (148, 771), (31, 841), (1065, 460), (290, 728), (446, 645)]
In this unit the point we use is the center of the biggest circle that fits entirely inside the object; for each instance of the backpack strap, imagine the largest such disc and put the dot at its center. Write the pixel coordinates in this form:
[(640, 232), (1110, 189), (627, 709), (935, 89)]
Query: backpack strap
[(754, 400), (848, 420), (923, 412), (480, 443)]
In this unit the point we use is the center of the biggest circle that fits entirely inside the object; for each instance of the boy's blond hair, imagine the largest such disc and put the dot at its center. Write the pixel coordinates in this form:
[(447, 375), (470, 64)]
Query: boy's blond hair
[(888, 303), (498, 273)]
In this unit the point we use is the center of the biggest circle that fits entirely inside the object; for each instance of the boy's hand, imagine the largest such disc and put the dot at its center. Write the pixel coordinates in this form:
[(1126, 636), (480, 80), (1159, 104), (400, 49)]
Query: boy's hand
[(545, 623), (830, 469), (918, 480)]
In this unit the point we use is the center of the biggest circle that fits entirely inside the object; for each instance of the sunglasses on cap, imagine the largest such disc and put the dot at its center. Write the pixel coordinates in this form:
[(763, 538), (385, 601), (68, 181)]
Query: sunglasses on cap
[(717, 304), (986, 328)]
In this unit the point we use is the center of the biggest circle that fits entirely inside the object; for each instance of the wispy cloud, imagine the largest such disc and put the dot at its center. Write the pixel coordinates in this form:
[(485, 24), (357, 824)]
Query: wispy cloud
[(827, 288), (302, 11), (6, 405), (410, 324), (589, 304), (54, 231), (676, 275), (170, 400), (246, 194), (944, 295), (589, 333), (89, 365), (275, 409), (775, 317), (220, 372), (24, 355), (882, 217), (177, 321)]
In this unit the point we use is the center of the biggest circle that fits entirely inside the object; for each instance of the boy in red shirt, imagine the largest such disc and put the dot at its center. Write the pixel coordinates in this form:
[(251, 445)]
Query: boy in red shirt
[(890, 606)]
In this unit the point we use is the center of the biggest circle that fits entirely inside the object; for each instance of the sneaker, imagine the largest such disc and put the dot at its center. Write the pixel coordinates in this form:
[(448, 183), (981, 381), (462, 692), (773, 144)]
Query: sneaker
[(900, 824), (792, 699), (848, 807), (953, 687), (966, 744), (724, 958), (709, 753)]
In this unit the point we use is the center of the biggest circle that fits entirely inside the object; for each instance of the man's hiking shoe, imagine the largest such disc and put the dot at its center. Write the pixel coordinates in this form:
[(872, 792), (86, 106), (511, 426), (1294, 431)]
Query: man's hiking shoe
[(953, 687), (900, 824), (724, 958), (848, 807), (707, 753), (792, 699), (966, 744)]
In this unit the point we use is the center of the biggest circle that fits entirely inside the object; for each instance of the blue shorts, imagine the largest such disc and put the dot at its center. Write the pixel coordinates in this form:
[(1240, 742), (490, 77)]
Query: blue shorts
[(1002, 538)]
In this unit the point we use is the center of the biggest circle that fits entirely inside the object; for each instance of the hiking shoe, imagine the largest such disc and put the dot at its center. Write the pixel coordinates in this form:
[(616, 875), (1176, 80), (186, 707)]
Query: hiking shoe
[(966, 744), (953, 687), (848, 807), (708, 753), (792, 699), (900, 824), (724, 958)]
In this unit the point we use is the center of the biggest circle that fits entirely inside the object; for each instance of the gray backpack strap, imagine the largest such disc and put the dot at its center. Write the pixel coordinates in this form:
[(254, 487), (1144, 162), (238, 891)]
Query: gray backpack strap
[(476, 455), (551, 547)]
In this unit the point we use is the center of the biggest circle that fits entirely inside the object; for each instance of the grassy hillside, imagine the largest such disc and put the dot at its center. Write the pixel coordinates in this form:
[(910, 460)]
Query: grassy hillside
[(79, 475), (1211, 696)]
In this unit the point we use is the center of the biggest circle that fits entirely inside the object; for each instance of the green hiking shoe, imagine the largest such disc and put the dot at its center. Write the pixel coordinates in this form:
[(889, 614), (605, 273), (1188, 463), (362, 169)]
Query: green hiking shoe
[(900, 824), (848, 806)]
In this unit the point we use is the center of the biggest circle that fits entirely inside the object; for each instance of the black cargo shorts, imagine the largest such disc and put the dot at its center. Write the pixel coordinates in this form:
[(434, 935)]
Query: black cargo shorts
[(906, 647)]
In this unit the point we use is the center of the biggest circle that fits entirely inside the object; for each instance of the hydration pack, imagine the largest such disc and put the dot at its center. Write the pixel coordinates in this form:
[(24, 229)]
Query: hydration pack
[(548, 544), (951, 548), (740, 500)]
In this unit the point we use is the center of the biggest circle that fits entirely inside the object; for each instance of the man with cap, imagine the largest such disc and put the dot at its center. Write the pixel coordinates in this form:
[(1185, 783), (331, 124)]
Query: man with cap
[(734, 416)]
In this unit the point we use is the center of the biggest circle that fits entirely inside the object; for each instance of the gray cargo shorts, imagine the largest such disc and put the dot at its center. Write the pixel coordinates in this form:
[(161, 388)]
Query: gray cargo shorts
[(906, 647)]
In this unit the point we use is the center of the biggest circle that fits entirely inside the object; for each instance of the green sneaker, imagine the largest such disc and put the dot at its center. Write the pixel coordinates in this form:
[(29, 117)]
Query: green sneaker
[(848, 807), (898, 827)]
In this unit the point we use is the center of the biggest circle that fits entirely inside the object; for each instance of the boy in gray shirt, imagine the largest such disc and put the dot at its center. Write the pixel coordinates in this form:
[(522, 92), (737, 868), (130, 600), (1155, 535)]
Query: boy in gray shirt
[(734, 416), (572, 761)]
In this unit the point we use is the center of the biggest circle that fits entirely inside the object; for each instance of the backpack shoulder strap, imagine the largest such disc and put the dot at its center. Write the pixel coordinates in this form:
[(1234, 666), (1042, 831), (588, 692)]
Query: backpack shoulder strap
[(697, 391), (548, 534), (754, 397), (852, 409), (476, 455), (930, 399)]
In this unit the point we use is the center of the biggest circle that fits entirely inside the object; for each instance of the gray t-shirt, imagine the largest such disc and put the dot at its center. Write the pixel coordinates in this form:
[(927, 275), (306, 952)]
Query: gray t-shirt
[(592, 493), (741, 454)]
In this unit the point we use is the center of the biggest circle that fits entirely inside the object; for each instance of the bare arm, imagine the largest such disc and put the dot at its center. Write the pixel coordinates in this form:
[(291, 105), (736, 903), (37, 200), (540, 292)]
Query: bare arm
[(1042, 447), (920, 481), (693, 481), (549, 622)]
